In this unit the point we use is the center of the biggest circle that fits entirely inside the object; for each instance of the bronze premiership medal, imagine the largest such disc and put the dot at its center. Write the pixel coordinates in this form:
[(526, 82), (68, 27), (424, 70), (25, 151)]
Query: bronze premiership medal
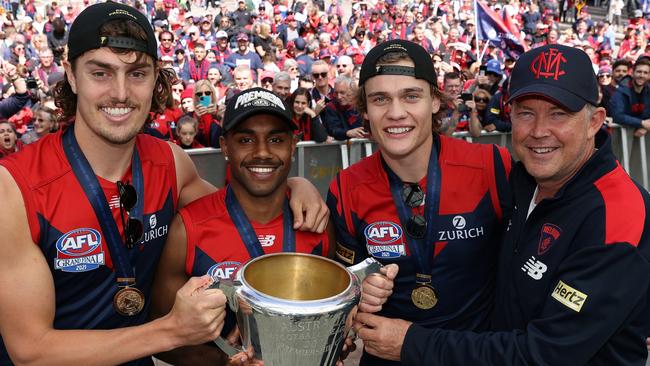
[(128, 301), (424, 297)]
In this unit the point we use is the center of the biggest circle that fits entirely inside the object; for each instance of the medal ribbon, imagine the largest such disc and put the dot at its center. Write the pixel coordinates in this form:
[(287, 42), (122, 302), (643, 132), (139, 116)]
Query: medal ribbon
[(422, 249), (247, 233), (95, 195)]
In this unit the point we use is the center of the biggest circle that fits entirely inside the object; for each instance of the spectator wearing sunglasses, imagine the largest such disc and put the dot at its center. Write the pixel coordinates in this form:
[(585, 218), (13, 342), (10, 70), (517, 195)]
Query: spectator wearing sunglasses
[(380, 209), (95, 288), (267, 80), (478, 109), (167, 44), (322, 92), (205, 111), (344, 66), (607, 87)]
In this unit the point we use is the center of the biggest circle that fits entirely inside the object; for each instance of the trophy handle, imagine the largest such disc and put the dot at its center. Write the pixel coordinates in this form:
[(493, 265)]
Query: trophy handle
[(365, 268), (229, 287), (226, 347)]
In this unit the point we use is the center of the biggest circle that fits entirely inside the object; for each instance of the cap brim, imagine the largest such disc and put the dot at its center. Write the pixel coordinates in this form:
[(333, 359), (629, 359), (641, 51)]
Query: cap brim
[(560, 96)]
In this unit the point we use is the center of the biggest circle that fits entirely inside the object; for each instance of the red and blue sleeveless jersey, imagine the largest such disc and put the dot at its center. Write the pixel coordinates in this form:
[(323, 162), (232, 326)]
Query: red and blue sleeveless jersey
[(469, 223), (215, 247), (63, 224), (213, 243)]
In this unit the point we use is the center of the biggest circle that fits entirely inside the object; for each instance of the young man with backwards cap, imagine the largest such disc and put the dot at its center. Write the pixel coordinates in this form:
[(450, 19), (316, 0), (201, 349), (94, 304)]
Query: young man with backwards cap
[(78, 251), (573, 279), (251, 215), (432, 204)]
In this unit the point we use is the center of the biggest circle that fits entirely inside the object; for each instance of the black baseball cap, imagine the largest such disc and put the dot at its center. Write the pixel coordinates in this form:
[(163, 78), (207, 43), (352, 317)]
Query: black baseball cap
[(563, 74), (423, 65), (255, 101), (84, 32)]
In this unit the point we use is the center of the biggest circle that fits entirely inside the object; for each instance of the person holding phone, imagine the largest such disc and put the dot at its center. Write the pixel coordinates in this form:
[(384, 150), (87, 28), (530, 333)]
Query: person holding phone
[(478, 111), (15, 102), (205, 111)]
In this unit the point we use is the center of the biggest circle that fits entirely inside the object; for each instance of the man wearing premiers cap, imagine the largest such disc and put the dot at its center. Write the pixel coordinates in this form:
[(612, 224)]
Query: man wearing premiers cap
[(432, 204), (573, 279), (218, 233), (86, 212)]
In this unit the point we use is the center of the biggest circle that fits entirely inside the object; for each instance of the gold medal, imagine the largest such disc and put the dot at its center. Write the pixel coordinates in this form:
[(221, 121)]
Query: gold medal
[(424, 297), (128, 301)]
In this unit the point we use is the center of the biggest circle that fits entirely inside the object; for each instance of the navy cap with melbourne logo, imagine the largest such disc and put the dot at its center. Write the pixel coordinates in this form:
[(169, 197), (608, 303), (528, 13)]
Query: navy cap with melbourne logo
[(560, 73), (84, 31), (423, 65), (254, 101)]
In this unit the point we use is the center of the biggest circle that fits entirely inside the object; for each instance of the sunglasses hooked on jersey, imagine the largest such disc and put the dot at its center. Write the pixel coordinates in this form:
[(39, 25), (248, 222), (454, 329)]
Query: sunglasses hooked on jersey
[(413, 197), (133, 228)]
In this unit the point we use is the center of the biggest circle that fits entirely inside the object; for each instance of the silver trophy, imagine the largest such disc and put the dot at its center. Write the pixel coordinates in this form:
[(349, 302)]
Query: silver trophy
[(292, 308)]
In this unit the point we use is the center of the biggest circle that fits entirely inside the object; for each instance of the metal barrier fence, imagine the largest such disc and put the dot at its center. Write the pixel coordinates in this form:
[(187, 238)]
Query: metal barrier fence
[(320, 162)]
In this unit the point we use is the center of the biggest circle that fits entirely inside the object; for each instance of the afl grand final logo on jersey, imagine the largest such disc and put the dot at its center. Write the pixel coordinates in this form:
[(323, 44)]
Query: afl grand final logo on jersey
[(79, 250), (384, 240), (224, 270)]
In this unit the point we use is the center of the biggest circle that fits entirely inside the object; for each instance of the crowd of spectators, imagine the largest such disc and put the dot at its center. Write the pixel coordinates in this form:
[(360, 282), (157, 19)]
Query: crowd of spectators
[(310, 52)]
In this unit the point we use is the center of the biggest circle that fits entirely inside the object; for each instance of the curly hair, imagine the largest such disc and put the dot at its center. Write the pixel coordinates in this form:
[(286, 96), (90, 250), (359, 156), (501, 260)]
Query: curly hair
[(66, 99)]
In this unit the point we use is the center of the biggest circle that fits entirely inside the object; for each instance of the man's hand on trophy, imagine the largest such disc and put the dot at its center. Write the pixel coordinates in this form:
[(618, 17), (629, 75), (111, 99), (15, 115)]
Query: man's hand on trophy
[(246, 358), (348, 345), (198, 314), (377, 288), (382, 337)]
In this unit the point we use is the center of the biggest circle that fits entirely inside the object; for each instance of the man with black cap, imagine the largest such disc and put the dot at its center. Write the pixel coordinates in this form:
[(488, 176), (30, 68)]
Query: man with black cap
[(572, 287), (83, 229), (432, 204), (252, 214)]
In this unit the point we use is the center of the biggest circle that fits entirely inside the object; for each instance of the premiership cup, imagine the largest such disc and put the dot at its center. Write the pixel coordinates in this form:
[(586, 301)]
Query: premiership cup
[(292, 308)]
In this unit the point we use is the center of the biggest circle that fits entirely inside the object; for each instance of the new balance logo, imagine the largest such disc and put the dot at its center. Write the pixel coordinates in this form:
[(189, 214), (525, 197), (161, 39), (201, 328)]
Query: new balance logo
[(534, 268)]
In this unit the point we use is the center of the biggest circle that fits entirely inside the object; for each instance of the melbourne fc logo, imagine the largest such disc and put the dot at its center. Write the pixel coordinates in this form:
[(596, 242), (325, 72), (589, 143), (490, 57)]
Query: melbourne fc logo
[(224, 270), (548, 64), (79, 250), (384, 240), (550, 233)]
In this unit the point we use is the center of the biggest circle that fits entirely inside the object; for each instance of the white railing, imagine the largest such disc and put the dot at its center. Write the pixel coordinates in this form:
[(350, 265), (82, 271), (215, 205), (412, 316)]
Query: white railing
[(320, 162)]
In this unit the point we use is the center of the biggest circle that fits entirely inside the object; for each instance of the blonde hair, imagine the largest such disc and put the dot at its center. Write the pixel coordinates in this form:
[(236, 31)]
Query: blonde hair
[(201, 84)]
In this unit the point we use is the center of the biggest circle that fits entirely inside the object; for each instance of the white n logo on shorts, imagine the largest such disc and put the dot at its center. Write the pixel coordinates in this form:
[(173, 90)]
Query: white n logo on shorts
[(534, 268)]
